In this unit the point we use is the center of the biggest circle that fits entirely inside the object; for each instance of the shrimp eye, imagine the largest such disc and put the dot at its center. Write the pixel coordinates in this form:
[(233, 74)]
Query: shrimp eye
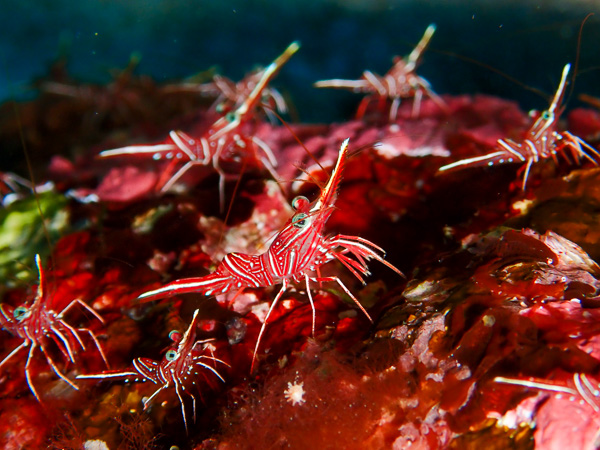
[(299, 202), (230, 117), (175, 335), (300, 220), (171, 355), (546, 115), (20, 313)]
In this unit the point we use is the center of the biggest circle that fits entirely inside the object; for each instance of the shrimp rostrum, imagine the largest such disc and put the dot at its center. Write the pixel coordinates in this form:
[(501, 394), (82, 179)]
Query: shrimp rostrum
[(295, 255)]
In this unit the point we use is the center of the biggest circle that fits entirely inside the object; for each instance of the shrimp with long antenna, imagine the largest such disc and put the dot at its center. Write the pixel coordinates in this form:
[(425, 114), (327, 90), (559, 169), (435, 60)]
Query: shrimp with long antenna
[(542, 141), (230, 95), (178, 369), (296, 254), (224, 140), (400, 82), (38, 323)]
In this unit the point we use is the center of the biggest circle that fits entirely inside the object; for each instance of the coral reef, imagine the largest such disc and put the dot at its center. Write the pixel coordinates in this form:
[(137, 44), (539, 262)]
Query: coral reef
[(492, 339)]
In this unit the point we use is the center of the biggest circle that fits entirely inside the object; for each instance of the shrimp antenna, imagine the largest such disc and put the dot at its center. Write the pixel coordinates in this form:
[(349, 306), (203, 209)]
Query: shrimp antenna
[(510, 78), (230, 207), (17, 115), (287, 125), (318, 183), (577, 57)]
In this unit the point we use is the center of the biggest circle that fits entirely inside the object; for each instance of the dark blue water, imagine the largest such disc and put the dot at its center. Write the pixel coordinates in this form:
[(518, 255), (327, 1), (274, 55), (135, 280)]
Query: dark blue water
[(530, 41)]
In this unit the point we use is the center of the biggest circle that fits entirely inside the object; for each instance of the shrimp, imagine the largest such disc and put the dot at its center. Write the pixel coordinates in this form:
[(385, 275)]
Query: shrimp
[(37, 323), (542, 141), (586, 390), (400, 82), (296, 254), (180, 363), (231, 95), (222, 139)]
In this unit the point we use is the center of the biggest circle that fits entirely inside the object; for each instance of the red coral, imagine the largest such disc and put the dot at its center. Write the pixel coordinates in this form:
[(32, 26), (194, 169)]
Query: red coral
[(563, 422), (585, 123), (23, 424), (125, 184), (508, 302)]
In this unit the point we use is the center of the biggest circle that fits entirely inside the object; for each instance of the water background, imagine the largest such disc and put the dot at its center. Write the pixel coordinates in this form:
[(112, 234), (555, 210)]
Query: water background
[(530, 41)]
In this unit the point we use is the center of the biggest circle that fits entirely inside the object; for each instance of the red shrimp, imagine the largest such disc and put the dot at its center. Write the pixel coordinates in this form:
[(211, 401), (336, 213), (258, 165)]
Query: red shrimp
[(222, 140), (589, 392), (542, 141), (177, 369), (400, 82), (231, 95), (37, 324), (296, 254)]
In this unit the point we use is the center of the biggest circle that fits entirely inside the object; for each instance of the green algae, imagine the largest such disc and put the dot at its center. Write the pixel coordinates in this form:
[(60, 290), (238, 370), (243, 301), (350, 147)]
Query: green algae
[(22, 234)]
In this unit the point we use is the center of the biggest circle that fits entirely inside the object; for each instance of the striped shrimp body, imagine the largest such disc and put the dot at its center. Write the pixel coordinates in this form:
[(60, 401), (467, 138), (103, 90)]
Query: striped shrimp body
[(231, 95), (178, 369), (235, 93), (37, 324), (400, 82), (542, 141), (224, 140), (296, 255)]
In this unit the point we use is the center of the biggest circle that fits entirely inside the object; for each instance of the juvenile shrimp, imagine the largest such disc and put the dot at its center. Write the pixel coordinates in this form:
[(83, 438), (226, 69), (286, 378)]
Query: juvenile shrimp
[(224, 140), (296, 254), (400, 82), (542, 141), (178, 368), (38, 323)]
